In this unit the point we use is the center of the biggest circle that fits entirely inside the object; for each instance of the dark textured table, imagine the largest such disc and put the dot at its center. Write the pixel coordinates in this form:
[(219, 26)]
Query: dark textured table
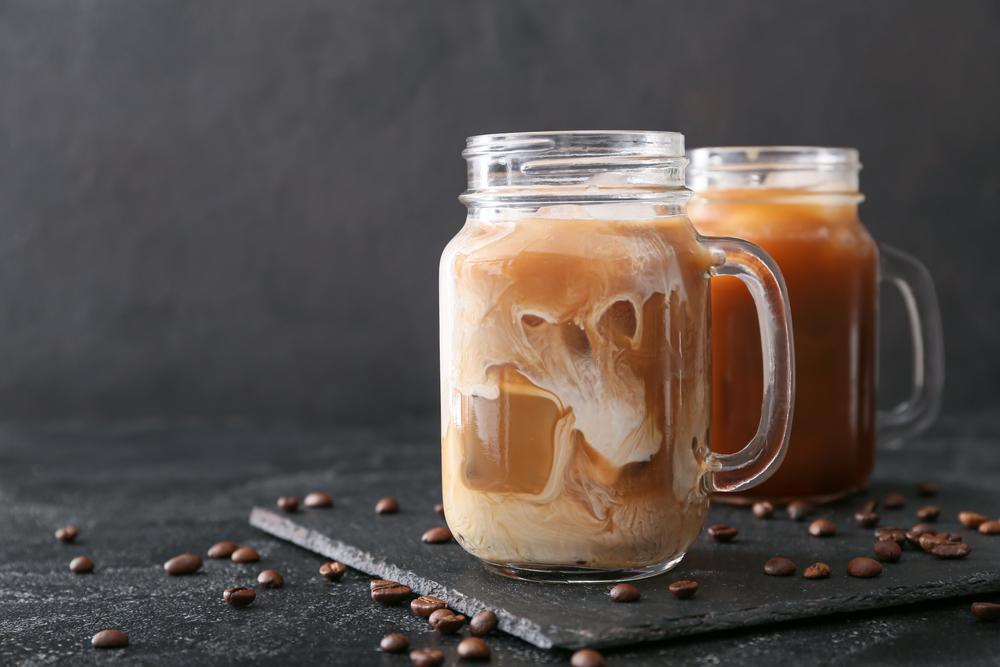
[(145, 492)]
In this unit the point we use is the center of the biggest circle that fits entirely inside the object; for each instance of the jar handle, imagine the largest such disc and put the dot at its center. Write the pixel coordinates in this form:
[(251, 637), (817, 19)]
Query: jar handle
[(761, 457), (914, 415)]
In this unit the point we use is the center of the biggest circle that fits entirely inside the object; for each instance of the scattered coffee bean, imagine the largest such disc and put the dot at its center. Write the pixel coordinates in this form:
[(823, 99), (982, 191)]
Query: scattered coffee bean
[(864, 567), (394, 643), (888, 529), (722, 533), (971, 519), (245, 555), (952, 550), (870, 506), (895, 536), (989, 528), (950, 537), (271, 579), (798, 510), (222, 550), (927, 489), (888, 551), (913, 537), (288, 503), (986, 611), (817, 571), (183, 564), (763, 510), (683, 590), (894, 501), (779, 567), (446, 621), (426, 657), (822, 528), (588, 657), (389, 592), (473, 648), (439, 509), (929, 513), (387, 506), (924, 528), (317, 499), (624, 593), (928, 542), (425, 605), (239, 596), (66, 533), (112, 639), (332, 571), (81, 565), (867, 519), (482, 623), (436, 535)]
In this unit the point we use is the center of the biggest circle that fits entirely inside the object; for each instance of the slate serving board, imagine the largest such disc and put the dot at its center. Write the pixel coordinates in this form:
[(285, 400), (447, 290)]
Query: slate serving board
[(733, 589)]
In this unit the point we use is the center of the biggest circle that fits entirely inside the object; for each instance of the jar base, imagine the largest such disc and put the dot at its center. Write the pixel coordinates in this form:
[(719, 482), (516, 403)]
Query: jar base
[(570, 574)]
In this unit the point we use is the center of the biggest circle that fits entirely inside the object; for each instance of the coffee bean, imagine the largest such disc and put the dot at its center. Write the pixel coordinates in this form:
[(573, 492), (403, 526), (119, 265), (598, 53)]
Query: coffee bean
[(929, 513), (222, 550), (394, 643), (989, 528), (950, 537), (864, 567), (183, 564), (722, 533), (913, 538), (66, 533), (822, 528), (927, 489), (624, 593), (952, 550), (81, 565), (387, 506), (389, 592), (482, 623), (869, 506), (271, 579), (798, 510), (866, 519), (239, 596), (446, 621), (779, 567), (473, 648), (888, 551), (881, 530), (288, 503), (425, 605), (436, 535), (332, 571), (895, 536), (588, 658), (817, 571), (317, 499), (971, 519), (683, 590), (109, 639), (924, 528), (426, 657), (894, 501), (763, 510), (928, 542), (986, 611), (439, 509), (245, 555)]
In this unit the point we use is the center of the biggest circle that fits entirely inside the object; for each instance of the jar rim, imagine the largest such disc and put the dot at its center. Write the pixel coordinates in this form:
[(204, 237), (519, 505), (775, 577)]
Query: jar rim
[(737, 158), (650, 143)]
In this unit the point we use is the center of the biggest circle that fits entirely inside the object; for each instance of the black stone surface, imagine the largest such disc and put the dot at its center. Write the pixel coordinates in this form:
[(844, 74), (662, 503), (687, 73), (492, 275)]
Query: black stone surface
[(143, 493)]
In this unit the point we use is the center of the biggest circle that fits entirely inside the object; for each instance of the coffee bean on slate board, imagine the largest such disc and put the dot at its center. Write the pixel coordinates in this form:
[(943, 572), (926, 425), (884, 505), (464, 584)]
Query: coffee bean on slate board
[(394, 643), (913, 538), (387, 506), (950, 537), (446, 621), (894, 501), (924, 528), (288, 503), (66, 533), (389, 592), (928, 542), (426, 657), (332, 571), (317, 499), (798, 510), (482, 623), (864, 567), (763, 510), (271, 579), (588, 657), (425, 605), (779, 567), (436, 535), (866, 519), (817, 571), (245, 555), (81, 565), (870, 506), (881, 530), (239, 596), (624, 593), (895, 536), (683, 590), (929, 513), (888, 551), (822, 528), (439, 509), (986, 611), (989, 528), (183, 564), (971, 519), (109, 639), (952, 550), (222, 549), (473, 648), (927, 489), (722, 533)]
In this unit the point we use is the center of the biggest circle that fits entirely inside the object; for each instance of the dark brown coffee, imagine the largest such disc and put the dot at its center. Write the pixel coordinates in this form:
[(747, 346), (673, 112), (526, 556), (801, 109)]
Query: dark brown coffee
[(482, 623), (952, 550), (270, 579), (288, 503), (822, 528), (779, 567), (317, 499), (183, 564), (426, 657), (625, 593), (588, 658), (436, 535), (425, 605), (817, 571), (763, 509), (109, 639), (722, 533), (389, 592), (929, 513), (683, 590), (222, 549), (332, 571), (245, 555), (81, 565), (473, 648), (394, 643), (66, 533), (446, 621), (888, 551), (239, 596), (387, 506), (798, 510), (864, 567), (971, 519), (986, 611)]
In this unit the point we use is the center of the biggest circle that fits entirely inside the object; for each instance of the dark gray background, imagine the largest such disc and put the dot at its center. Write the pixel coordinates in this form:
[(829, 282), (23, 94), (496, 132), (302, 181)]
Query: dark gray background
[(214, 208)]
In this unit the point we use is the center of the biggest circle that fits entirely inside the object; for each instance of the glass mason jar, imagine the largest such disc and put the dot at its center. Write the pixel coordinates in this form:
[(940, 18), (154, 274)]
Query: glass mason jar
[(801, 205), (576, 358)]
